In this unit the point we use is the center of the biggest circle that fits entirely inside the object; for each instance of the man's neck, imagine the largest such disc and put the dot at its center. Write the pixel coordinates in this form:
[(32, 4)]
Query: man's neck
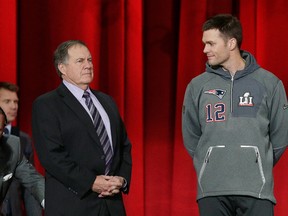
[(234, 66)]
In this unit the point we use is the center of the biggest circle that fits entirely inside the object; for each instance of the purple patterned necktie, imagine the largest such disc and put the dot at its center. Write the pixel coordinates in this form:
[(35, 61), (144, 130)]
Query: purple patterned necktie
[(100, 130)]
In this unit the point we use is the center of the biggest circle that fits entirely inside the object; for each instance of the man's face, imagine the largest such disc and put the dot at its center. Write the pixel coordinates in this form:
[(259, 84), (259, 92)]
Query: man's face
[(216, 48), (9, 103), (2, 124), (78, 69)]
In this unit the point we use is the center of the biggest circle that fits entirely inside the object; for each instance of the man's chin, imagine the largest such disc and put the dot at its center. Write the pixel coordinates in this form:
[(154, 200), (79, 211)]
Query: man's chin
[(11, 119), (214, 64), (88, 79)]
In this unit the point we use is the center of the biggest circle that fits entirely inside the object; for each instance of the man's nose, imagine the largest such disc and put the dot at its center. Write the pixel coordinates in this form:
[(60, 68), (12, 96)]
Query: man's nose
[(205, 49), (14, 105)]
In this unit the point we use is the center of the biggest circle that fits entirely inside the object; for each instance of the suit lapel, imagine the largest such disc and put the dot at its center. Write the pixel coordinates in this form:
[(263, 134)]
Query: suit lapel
[(71, 102)]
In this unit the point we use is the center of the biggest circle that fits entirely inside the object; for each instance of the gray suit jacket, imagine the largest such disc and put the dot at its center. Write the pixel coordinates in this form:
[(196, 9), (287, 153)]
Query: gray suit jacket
[(14, 165)]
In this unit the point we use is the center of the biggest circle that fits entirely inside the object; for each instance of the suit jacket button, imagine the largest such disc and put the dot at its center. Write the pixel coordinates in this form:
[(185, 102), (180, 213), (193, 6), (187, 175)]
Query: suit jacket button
[(103, 157)]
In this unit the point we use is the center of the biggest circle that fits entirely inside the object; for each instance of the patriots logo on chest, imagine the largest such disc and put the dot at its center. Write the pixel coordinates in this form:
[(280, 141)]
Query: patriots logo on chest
[(216, 92)]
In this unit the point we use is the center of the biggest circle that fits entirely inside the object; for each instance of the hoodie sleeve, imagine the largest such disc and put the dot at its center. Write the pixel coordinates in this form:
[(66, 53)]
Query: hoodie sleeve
[(279, 121), (191, 130)]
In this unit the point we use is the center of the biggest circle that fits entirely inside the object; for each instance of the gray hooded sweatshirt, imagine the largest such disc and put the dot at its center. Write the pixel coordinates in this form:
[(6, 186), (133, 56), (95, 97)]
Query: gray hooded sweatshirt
[(235, 129)]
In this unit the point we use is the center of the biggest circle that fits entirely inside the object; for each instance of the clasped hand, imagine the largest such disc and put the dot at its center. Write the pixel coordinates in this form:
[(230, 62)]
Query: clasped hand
[(107, 185)]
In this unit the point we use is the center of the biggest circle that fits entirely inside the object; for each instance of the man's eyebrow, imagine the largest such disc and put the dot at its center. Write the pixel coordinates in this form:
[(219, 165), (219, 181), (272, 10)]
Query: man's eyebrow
[(208, 42)]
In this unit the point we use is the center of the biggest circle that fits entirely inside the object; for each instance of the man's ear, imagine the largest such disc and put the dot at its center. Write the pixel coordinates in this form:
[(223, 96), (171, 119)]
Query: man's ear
[(62, 68), (232, 43)]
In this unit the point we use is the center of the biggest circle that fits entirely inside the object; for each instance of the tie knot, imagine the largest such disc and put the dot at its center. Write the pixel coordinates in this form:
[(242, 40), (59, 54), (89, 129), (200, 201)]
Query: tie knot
[(6, 131), (86, 94)]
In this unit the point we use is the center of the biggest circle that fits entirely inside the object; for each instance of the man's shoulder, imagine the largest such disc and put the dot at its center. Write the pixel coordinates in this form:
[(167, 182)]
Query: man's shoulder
[(13, 138), (200, 80), (266, 77), (97, 92), (23, 134), (102, 95), (265, 73), (203, 76), (19, 133), (50, 97), (13, 141), (46, 95)]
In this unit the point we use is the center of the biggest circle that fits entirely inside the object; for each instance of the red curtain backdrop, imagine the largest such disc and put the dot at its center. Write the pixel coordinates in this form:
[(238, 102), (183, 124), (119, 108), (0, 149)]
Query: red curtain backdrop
[(8, 40), (144, 53)]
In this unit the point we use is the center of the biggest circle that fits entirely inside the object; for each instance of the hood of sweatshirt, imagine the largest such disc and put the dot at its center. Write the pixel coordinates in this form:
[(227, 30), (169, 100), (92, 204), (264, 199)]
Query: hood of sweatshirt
[(250, 66)]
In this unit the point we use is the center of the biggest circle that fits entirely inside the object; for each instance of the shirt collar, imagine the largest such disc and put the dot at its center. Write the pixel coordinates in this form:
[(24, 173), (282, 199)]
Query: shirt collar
[(75, 90)]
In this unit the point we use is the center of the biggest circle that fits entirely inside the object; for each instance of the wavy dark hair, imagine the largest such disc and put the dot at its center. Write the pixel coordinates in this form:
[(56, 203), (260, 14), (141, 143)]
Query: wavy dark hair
[(228, 25)]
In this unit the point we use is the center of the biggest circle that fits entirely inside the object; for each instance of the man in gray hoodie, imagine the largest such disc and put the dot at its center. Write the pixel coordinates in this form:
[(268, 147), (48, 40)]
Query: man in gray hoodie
[(234, 125)]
